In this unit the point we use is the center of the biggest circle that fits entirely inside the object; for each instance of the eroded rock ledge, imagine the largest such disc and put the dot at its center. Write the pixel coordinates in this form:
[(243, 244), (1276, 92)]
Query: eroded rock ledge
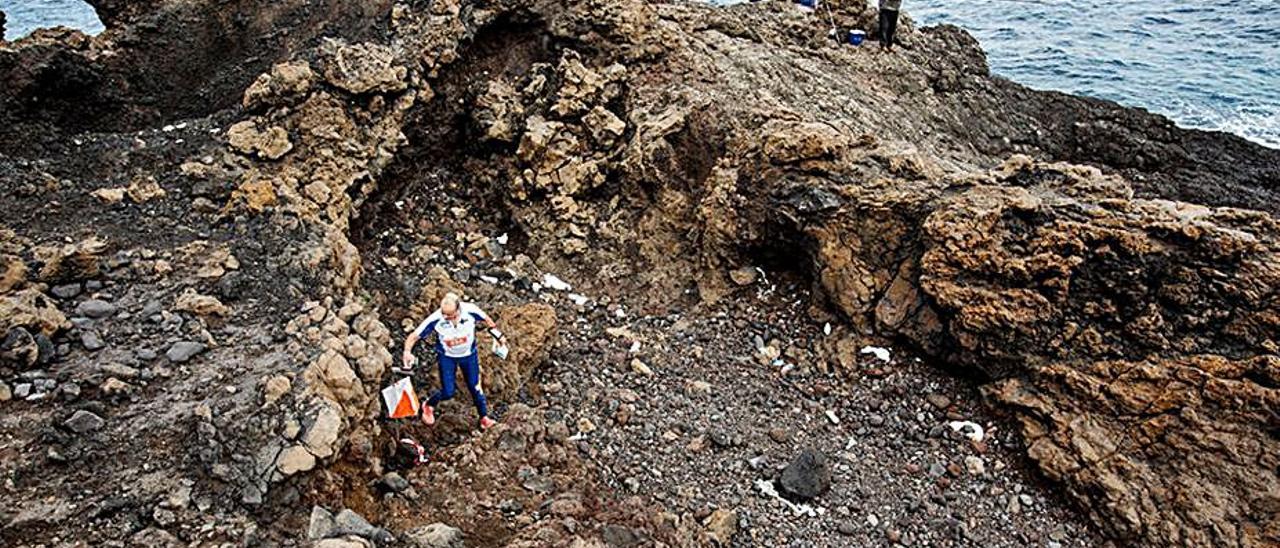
[(1131, 330)]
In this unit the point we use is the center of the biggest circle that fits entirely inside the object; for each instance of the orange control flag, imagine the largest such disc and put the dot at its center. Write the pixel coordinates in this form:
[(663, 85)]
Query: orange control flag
[(401, 400)]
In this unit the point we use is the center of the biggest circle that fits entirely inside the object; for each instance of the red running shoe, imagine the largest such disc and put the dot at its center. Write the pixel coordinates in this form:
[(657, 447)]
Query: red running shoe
[(487, 423), (428, 415)]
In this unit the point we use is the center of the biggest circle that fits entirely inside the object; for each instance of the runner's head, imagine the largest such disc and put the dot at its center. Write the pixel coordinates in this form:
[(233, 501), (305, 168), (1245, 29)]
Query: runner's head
[(449, 306)]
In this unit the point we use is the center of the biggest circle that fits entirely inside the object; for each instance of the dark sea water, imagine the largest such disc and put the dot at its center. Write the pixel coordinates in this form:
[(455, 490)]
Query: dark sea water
[(1210, 64)]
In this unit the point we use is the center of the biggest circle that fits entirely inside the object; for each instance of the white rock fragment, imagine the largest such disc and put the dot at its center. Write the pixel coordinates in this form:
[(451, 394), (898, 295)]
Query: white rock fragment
[(580, 300), (551, 281), (971, 430), (975, 465), (826, 328), (489, 280), (766, 488), (831, 416), (880, 353)]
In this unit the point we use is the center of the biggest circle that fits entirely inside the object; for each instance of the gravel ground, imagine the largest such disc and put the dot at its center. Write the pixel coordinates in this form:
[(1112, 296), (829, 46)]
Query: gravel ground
[(706, 417)]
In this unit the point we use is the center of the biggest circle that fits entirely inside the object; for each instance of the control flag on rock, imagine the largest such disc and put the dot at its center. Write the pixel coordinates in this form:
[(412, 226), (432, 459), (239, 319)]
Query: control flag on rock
[(400, 399)]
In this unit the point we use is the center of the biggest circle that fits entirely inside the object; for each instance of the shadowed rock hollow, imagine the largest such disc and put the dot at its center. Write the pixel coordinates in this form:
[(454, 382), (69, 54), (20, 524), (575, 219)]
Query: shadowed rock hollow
[(1110, 279)]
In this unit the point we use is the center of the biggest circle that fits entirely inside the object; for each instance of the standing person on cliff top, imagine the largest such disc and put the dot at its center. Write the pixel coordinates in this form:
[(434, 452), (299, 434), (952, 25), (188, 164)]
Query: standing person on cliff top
[(888, 22), (454, 326)]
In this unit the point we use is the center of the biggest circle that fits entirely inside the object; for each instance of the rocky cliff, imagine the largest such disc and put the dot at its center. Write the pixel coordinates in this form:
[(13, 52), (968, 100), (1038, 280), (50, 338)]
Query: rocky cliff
[(221, 218)]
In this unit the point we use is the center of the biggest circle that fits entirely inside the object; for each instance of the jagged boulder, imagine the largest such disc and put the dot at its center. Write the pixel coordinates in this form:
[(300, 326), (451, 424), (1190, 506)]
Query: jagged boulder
[(532, 331), (270, 143), (285, 83), (362, 68), (1180, 449), (33, 310), (13, 272)]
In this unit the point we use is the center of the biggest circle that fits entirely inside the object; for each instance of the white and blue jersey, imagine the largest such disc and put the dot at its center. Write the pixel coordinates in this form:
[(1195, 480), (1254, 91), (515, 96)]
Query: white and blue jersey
[(455, 339)]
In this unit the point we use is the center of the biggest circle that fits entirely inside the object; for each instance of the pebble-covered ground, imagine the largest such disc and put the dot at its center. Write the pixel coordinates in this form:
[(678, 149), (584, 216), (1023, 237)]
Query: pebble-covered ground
[(689, 409)]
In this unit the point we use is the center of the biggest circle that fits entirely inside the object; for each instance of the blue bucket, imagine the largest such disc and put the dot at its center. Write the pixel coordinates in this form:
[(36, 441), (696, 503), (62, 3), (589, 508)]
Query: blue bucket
[(809, 3), (856, 37)]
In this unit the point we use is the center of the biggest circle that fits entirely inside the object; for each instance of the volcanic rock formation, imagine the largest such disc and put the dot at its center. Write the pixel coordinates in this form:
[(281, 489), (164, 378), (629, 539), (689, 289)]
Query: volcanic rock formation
[(1111, 279)]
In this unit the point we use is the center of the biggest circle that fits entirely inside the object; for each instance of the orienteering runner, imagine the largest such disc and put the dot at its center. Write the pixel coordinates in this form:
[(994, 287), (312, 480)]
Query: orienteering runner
[(454, 326)]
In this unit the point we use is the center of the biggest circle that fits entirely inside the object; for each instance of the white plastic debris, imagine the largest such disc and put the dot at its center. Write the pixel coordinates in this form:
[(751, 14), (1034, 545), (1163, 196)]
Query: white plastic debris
[(489, 280), (826, 328), (635, 347), (620, 312), (831, 416), (880, 353), (766, 488), (580, 300), (971, 430), (502, 240), (551, 281), (500, 350), (786, 368)]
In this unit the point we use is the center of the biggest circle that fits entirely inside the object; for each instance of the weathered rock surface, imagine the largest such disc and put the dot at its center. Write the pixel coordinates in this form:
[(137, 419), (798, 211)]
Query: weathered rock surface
[(1110, 430), (649, 153), (435, 535), (532, 330)]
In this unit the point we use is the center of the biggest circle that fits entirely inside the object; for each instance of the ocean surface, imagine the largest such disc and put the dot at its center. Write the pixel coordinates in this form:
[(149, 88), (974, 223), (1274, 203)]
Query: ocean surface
[(25, 16), (1210, 64)]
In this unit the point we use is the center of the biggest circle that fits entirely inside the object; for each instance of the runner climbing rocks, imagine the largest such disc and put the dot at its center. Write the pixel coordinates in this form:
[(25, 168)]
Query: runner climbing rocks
[(454, 326)]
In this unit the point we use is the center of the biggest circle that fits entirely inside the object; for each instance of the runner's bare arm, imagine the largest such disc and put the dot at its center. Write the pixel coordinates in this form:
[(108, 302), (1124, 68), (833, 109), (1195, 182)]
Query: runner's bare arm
[(493, 330), (409, 343)]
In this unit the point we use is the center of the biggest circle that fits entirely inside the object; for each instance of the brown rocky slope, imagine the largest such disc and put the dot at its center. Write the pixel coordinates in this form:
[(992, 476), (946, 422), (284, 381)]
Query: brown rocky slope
[(1111, 279)]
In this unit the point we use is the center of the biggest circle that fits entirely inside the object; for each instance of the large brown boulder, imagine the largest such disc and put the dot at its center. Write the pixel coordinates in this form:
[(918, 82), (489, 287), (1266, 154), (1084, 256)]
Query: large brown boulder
[(531, 328), (1183, 450)]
